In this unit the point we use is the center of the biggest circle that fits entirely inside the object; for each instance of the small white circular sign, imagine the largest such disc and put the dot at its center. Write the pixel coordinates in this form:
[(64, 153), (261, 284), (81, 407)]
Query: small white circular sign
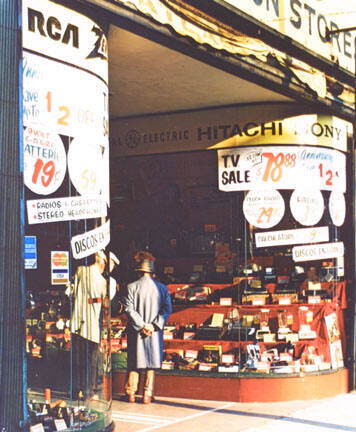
[(85, 165), (337, 208), (263, 208), (307, 206), (45, 160)]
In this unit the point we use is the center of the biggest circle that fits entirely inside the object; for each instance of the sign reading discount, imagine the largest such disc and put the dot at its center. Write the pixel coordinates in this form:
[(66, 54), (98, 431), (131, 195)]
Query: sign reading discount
[(318, 251), (90, 242), (263, 208), (45, 161), (281, 167)]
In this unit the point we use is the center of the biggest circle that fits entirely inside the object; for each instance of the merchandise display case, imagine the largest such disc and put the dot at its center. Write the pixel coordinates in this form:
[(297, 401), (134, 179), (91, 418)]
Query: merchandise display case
[(256, 272)]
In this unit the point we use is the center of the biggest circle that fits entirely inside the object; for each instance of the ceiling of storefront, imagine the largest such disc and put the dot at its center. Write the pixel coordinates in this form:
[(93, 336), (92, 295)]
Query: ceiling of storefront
[(146, 77)]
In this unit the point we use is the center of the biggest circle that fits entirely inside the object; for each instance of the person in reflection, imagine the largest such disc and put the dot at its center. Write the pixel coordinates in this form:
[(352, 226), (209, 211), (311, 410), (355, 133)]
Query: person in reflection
[(147, 304), (88, 291)]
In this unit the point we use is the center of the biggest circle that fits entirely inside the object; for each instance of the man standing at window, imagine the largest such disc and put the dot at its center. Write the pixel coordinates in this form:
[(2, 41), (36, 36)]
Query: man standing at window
[(147, 305)]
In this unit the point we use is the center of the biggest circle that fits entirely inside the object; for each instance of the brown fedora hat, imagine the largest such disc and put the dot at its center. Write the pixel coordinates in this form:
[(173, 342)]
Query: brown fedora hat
[(146, 266)]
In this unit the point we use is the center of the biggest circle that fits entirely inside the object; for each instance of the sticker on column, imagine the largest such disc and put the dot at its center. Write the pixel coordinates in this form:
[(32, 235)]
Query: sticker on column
[(307, 206), (45, 160), (337, 208), (263, 208), (85, 165)]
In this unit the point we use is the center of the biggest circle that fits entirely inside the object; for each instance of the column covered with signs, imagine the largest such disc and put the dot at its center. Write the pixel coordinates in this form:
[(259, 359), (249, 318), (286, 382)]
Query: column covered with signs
[(66, 175)]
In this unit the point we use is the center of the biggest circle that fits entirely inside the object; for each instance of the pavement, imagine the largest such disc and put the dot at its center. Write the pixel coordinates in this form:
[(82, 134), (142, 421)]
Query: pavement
[(187, 415)]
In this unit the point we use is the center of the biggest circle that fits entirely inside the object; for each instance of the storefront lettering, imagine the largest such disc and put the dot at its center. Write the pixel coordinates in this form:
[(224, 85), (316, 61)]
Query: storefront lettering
[(249, 129), (52, 28)]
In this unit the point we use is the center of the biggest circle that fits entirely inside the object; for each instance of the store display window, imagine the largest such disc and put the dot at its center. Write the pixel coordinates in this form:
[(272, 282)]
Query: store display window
[(251, 242)]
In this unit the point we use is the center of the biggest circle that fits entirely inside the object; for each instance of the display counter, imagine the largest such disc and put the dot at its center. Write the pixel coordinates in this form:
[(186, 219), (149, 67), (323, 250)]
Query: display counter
[(228, 349)]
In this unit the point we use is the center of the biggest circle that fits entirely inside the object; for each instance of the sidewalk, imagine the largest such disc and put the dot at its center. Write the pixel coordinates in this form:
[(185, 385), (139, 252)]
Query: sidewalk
[(187, 415)]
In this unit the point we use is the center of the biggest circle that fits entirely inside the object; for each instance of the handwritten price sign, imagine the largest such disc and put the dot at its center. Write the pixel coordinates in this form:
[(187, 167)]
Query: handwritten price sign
[(263, 208), (307, 206), (86, 166), (281, 167), (44, 160)]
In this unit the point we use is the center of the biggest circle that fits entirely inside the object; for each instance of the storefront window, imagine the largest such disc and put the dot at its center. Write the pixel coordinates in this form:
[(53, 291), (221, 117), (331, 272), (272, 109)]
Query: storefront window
[(250, 241)]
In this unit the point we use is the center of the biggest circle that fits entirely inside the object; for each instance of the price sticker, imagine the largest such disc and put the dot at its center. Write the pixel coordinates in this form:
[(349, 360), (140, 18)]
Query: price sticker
[(85, 165), (307, 206), (263, 208), (45, 160)]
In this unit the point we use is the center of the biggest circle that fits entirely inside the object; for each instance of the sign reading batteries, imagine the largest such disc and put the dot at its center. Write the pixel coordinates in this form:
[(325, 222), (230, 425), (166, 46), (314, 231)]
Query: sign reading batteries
[(65, 107)]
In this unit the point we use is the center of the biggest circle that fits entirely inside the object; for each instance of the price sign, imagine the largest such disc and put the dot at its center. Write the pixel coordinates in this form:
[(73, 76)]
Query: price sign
[(45, 160), (337, 208), (263, 208), (64, 104), (307, 206), (281, 167), (85, 165)]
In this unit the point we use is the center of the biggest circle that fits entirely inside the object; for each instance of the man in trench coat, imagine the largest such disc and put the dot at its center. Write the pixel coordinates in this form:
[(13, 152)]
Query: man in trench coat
[(147, 305)]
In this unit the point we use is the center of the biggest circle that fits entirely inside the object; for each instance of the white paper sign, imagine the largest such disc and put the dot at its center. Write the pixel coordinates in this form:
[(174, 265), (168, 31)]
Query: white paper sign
[(281, 167), (45, 161), (37, 428), (307, 206), (64, 209), (65, 105), (318, 251), (85, 165), (90, 242), (293, 236), (263, 208), (60, 424), (337, 208)]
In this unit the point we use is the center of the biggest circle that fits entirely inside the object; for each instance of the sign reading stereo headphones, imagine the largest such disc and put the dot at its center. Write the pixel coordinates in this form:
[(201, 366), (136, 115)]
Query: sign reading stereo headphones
[(281, 167)]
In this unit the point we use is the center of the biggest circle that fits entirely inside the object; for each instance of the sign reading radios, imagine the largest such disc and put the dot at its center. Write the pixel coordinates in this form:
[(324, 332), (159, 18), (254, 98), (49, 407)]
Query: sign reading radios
[(64, 209), (293, 236), (90, 242), (318, 252)]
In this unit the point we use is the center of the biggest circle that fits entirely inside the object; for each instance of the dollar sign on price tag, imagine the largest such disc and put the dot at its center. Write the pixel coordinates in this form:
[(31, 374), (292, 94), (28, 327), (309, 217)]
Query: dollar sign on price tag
[(44, 160)]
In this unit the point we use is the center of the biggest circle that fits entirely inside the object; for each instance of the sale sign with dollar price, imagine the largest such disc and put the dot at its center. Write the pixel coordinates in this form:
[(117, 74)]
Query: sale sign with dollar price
[(281, 167), (263, 208)]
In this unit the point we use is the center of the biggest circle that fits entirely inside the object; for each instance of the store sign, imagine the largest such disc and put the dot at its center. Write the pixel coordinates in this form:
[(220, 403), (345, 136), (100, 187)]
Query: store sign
[(318, 251), (306, 23), (65, 209), (337, 208), (61, 33), (30, 253), (263, 208), (225, 128), (291, 237), (281, 167), (59, 267), (307, 206), (91, 242)]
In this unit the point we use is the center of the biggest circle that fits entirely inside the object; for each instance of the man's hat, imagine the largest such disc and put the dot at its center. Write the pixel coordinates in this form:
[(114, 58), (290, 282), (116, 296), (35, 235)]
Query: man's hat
[(146, 266)]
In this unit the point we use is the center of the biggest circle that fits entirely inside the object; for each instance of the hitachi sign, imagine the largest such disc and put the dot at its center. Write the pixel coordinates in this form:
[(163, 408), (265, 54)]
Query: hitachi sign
[(249, 129)]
